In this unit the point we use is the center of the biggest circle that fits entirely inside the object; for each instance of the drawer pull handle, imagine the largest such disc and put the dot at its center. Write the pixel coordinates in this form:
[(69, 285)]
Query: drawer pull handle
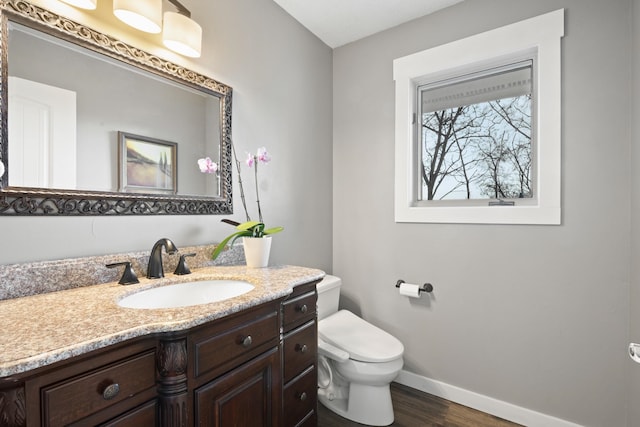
[(302, 396), (303, 308), (111, 391), (301, 348), (246, 341)]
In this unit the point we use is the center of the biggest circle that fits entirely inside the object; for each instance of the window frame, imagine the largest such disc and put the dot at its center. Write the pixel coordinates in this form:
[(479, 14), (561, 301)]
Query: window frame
[(542, 35)]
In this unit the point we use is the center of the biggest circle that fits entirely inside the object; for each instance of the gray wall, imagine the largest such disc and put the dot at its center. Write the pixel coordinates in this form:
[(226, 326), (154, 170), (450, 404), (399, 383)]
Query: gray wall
[(634, 321), (281, 76), (532, 315)]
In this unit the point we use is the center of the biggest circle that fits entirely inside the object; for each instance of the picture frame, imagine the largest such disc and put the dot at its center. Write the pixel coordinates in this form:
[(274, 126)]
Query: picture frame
[(147, 165)]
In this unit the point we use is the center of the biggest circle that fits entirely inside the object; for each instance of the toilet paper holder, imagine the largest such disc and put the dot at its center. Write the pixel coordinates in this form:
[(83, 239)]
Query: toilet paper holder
[(427, 287)]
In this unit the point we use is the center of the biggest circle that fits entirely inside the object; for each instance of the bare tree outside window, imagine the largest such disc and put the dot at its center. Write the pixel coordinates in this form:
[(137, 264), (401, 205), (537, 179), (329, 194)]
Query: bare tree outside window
[(478, 151)]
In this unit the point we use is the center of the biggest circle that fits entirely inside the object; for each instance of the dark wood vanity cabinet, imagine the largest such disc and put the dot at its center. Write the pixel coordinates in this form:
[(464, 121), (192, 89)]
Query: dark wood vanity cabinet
[(235, 370), (253, 368), (300, 350)]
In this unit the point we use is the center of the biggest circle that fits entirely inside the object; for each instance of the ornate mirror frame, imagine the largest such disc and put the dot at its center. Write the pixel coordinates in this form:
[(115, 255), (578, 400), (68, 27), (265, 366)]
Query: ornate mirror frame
[(40, 201)]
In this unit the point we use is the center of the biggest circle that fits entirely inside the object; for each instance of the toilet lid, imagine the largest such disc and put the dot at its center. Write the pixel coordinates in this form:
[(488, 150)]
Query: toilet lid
[(362, 340)]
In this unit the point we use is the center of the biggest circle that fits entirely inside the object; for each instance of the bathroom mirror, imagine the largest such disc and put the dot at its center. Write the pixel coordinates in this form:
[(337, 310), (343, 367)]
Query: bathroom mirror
[(90, 125)]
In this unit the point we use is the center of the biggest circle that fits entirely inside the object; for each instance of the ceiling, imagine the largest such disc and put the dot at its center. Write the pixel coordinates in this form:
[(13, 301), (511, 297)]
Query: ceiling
[(338, 22)]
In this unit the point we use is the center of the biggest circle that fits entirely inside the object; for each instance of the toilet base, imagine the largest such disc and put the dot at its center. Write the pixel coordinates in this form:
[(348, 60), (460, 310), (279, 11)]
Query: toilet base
[(358, 406)]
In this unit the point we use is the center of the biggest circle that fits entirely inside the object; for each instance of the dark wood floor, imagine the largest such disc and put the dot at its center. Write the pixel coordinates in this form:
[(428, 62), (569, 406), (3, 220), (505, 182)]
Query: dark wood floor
[(413, 408)]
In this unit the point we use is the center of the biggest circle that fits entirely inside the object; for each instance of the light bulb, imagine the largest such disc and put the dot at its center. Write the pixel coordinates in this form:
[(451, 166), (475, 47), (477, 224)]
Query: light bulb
[(182, 34), (144, 15)]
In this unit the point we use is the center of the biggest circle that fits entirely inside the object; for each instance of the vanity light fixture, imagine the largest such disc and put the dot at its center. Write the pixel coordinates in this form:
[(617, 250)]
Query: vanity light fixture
[(83, 4), (180, 33), (144, 15)]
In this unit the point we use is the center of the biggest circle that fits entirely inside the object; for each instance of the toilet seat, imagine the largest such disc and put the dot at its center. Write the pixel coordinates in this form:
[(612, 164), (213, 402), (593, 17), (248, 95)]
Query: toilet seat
[(363, 341)]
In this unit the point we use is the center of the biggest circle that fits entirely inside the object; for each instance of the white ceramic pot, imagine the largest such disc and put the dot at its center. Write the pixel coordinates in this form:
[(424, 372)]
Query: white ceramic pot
[(256, 251)]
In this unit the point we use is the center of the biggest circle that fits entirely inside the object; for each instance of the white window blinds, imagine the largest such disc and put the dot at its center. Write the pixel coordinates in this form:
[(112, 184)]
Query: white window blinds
[(508, 81)]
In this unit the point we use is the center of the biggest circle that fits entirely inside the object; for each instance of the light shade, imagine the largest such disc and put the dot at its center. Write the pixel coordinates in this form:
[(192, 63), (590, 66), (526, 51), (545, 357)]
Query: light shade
[(182, 34), (145, 15), (83, 4)]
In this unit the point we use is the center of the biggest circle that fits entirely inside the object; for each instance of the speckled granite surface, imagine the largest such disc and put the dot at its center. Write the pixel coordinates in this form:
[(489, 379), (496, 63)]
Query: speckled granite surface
[(45, 328), (20, 280)]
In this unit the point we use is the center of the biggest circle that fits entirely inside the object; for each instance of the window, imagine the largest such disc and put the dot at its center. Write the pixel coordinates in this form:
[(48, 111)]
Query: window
[(474, 136), (478, 127)]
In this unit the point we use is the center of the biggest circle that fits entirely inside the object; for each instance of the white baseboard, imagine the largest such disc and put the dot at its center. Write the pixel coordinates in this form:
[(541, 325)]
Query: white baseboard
[(499, 408)]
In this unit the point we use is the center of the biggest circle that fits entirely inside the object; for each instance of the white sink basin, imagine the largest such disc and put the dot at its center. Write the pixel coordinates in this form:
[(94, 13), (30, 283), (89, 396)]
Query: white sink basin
[(186, 294)]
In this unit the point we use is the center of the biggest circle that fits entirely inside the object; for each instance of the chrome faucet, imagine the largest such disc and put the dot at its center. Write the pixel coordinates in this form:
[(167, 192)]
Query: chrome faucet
[(155, 270)]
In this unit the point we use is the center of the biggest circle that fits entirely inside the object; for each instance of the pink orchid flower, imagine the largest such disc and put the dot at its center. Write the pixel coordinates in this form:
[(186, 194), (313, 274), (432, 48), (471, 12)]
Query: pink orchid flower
[(262, 155), (207, 165), (250, 160)]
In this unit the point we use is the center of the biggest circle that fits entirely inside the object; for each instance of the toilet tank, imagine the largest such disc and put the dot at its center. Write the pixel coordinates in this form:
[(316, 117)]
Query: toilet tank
[(328, 295)]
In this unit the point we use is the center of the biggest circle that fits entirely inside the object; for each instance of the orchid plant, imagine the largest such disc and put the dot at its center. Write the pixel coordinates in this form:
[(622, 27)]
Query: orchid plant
[(248, 228)]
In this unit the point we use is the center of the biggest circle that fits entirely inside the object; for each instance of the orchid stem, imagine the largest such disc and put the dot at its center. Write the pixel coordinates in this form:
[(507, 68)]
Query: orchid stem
[(255, 174), (244, 202)]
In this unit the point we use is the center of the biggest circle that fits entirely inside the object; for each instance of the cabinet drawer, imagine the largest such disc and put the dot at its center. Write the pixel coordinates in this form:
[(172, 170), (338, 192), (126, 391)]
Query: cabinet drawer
[(94, 391), (231, 343), (300, 349), (300, 398), (299, 309)]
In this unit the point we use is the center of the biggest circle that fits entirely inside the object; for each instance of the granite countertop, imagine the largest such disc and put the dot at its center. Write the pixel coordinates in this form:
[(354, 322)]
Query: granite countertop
[(42, 329)]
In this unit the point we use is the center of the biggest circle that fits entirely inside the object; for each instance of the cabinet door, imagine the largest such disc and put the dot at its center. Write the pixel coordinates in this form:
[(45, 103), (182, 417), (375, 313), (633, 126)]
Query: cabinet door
[(248, 396), (144, 415)]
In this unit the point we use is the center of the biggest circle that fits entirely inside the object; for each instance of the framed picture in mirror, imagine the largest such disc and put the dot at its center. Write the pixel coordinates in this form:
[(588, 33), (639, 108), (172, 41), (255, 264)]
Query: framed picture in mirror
[(147, 165)]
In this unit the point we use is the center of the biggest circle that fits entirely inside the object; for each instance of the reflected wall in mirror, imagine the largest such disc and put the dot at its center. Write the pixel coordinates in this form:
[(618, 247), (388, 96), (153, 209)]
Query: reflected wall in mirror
[(71, 90)]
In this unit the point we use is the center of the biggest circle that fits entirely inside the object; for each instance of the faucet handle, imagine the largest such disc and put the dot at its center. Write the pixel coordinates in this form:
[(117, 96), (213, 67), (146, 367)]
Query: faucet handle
[(128, 276), (182, 267)]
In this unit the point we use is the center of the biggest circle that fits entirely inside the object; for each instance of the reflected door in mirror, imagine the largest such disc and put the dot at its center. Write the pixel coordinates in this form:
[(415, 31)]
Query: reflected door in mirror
[(42, 135)]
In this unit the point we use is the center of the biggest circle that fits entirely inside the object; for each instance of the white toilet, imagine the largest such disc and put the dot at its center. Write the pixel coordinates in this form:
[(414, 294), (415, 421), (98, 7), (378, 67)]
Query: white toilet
[(357, 361)]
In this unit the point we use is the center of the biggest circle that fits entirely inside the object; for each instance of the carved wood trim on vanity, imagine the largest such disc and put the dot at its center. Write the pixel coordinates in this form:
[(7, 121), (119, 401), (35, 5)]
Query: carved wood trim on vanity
[(171, 366), (12, 406)]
